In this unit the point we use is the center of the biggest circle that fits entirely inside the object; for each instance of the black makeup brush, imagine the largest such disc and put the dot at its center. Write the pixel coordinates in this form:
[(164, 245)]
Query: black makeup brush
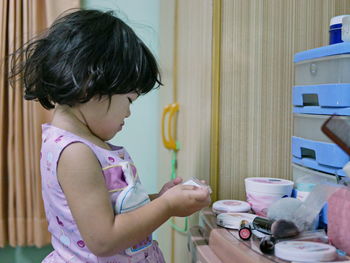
[(279, 229), (282, 229)]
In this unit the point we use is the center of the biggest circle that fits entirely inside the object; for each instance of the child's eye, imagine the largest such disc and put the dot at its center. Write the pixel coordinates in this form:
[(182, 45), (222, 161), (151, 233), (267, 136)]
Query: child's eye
[(130, 100)]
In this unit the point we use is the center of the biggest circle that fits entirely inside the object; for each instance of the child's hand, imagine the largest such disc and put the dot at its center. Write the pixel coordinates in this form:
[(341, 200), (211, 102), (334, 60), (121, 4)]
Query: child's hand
[(169, 185), (184, 200)]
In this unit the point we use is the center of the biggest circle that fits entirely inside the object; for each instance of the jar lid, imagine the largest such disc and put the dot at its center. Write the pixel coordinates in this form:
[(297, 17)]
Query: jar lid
[(336, 20), (268, 185), (305, 251), (230, 206)]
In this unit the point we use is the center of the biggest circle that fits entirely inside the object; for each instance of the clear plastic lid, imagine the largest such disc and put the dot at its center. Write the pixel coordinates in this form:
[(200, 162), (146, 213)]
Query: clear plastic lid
[(337, 20), (268, 185), (230, 206), (197, 182)]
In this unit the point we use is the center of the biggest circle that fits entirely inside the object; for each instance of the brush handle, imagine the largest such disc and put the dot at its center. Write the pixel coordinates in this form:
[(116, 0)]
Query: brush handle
[(262, 224)]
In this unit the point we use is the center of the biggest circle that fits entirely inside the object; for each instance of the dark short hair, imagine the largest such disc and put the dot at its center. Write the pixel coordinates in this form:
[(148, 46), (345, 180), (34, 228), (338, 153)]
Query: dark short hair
[(85, 53)]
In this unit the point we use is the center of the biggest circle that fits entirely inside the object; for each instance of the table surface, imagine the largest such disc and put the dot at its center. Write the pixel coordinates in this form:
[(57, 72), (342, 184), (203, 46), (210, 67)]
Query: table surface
[(247, 251)]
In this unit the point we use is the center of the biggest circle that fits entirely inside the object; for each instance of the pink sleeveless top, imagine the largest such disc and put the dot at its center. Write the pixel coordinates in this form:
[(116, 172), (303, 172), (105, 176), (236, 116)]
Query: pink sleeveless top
[(66, 240)]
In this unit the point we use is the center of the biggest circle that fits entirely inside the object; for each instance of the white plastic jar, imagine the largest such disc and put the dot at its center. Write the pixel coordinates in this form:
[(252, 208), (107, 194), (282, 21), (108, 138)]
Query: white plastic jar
[(264, 191)]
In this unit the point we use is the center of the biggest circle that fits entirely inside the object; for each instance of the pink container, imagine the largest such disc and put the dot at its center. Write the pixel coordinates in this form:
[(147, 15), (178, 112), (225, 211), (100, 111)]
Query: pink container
[(338, 219), (263, 192)]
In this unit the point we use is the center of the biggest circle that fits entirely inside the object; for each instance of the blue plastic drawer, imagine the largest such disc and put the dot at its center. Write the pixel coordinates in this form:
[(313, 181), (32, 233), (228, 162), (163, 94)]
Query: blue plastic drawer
[(299, 171), (322, 156), (322, 99), (323, 65), (324, 51)]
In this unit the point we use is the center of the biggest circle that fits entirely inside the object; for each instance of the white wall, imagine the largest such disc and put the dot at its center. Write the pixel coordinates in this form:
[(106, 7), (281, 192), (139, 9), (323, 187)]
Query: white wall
[(141, 134)]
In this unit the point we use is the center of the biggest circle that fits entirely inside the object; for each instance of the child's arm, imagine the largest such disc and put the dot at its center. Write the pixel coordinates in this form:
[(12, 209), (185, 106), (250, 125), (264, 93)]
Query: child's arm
[(81, 179)]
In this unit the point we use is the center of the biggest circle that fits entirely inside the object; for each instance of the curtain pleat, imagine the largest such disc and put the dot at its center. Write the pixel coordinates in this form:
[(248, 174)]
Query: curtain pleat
[(3, 124), (259, 40), (22, 215)]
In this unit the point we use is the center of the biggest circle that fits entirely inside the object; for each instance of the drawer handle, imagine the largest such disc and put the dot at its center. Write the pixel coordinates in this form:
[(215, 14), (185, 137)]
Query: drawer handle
[(310, 100), (313, 69), (308, 153)]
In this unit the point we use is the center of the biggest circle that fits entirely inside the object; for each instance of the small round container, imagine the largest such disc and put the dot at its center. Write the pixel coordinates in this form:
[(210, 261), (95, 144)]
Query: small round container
[(263, 192), (335, 30), (305, 251), (230, 206), (233, 220)]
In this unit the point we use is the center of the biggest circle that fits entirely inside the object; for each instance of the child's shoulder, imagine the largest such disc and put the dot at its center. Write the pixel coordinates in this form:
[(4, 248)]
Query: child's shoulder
[(61, 141), (79, 155), (55, 137)]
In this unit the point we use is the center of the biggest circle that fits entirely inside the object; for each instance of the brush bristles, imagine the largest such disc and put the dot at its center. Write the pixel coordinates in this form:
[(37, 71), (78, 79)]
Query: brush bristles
[(283, 228)]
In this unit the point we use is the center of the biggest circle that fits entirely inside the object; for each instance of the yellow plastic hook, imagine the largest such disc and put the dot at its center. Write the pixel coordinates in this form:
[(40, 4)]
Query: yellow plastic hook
[(171, 109)]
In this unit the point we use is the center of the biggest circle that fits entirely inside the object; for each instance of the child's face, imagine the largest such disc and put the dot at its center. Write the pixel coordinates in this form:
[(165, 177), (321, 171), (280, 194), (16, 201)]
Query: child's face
[(106, 121)]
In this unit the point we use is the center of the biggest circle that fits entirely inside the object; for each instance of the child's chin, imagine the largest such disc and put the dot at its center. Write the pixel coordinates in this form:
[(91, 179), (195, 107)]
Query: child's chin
[(109, 137)]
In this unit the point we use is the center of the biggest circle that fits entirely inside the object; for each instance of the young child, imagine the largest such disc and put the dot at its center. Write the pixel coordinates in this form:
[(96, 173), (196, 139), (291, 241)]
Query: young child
[(89, 67)]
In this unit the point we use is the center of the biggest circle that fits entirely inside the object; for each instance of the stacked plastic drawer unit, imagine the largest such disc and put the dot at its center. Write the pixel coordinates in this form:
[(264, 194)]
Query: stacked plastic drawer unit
[(321, 88)]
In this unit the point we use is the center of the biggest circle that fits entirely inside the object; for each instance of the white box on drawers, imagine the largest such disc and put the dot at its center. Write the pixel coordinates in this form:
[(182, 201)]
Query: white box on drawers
[(313, 149), (308, 126), (324, 70), (299, 171)]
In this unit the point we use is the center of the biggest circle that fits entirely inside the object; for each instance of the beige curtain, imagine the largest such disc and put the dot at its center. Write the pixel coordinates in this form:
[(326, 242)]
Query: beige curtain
[(259, 40), (22, 217)]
